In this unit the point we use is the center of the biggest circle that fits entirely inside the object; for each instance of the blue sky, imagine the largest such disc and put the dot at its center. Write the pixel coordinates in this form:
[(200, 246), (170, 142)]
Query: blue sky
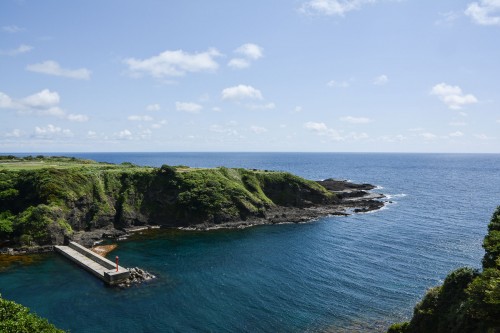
[(225, 75)]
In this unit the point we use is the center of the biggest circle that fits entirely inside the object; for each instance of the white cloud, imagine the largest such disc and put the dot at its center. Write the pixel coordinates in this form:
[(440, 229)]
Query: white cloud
[(428, 136), (44, 98), (226, 129), (268, 106), (258, 129), (54, 111), (140, 118), (159, 124), (174, 63), (322, 129), (484, 12), (51, 67), (153, 107), (15, 133), (92, 134), (498, 121), (43, 103), (241, 92), (125, 134), (453, 96), (448, 18), (6, 102), (333, 7), (80, 118), (20, 50), (188, 107), (458, 123), (238, 63), (216, 109), (483, 136), (297, 109), (336, 84), (51, 131), (250, 51), (381, 80), (393, 138), (356, 120), (456, 134), (12, 29), (316, 127)]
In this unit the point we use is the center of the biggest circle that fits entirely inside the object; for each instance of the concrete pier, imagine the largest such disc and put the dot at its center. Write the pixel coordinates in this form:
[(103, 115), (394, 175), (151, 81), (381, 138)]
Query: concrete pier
[(94, 263)]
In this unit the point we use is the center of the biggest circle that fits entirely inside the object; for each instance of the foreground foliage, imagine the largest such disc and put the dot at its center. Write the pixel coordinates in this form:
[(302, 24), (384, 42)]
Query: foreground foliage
[(15, 318), (468, 301)]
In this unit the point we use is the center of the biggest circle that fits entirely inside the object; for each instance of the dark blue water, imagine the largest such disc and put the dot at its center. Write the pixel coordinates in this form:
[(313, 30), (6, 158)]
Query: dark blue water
[(336, 274)]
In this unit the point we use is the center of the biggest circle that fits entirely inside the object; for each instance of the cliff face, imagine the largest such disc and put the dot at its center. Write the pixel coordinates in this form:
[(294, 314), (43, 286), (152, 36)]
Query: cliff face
[(468, 301), (42, 203)]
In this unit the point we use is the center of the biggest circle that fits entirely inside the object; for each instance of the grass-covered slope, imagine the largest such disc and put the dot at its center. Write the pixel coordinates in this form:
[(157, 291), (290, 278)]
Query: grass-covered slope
[(44, 199), (15, 318), (468, 301)]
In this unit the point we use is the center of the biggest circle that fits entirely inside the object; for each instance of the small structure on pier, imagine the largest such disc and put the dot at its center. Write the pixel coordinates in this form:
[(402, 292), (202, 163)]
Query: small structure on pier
[(101, 267)]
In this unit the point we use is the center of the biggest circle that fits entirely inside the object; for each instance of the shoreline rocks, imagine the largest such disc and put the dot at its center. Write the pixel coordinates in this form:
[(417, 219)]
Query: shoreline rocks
[(137, 276)]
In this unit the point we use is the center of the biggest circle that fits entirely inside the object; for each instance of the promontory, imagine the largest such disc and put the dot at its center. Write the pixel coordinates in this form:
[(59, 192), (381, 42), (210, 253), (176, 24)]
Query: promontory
[(46, 201)]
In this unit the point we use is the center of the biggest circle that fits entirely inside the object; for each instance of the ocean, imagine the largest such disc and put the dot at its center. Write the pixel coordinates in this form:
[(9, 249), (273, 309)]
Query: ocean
[(336, 274)]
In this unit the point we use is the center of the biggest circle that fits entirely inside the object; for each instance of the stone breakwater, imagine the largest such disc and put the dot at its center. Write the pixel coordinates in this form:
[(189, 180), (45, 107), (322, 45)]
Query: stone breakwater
[(136, 276)]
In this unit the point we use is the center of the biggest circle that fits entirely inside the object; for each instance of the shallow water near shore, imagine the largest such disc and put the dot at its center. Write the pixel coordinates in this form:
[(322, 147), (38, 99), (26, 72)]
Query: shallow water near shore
[(336, 274)]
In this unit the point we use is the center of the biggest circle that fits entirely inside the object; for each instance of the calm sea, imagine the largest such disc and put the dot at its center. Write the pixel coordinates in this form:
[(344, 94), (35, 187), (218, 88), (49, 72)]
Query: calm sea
[(337, 274)]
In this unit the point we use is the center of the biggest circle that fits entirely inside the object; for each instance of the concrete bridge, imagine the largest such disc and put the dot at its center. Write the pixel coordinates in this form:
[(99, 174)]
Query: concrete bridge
[(94, 263)]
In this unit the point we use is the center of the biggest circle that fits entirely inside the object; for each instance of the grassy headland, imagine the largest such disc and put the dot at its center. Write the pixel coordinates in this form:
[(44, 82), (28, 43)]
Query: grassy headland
[(45, 199)]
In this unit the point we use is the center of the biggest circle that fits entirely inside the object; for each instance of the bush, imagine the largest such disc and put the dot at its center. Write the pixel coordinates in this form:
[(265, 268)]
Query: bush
[(398, 328), (15, 318)]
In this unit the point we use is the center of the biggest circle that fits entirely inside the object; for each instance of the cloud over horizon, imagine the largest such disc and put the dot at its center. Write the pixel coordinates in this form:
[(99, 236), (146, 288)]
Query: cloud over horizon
[(453, 96), (43, 103)]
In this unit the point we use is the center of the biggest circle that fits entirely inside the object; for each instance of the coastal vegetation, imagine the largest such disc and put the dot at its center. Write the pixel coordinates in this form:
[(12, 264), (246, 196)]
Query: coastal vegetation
[(44, 200), (15, 318), (468, 300)]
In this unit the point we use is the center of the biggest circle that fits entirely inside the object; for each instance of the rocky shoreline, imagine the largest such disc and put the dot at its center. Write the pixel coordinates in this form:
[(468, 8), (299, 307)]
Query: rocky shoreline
[(351, 199)]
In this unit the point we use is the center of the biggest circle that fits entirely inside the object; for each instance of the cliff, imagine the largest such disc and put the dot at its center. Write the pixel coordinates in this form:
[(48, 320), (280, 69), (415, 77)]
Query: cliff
[(44, 200), (468, 300)]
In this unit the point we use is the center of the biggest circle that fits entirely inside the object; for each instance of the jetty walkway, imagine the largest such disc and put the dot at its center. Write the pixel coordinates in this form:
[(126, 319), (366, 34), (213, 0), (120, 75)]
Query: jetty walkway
[(101, 267)]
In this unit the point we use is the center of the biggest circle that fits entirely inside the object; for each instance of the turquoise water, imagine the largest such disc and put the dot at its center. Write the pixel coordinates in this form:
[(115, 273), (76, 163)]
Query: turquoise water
[(335, 274)]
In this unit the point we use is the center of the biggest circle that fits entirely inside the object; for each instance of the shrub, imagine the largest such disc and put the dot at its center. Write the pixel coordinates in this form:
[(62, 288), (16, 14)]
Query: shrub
[(15, 318)]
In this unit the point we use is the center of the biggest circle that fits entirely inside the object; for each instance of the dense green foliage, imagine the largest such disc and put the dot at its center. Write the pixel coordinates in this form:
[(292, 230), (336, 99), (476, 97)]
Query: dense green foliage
[(43, 200), (468, 301), (15, 318)]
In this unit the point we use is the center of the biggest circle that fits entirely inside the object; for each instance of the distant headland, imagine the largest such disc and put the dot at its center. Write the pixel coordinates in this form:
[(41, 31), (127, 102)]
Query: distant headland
[(46, 201)]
